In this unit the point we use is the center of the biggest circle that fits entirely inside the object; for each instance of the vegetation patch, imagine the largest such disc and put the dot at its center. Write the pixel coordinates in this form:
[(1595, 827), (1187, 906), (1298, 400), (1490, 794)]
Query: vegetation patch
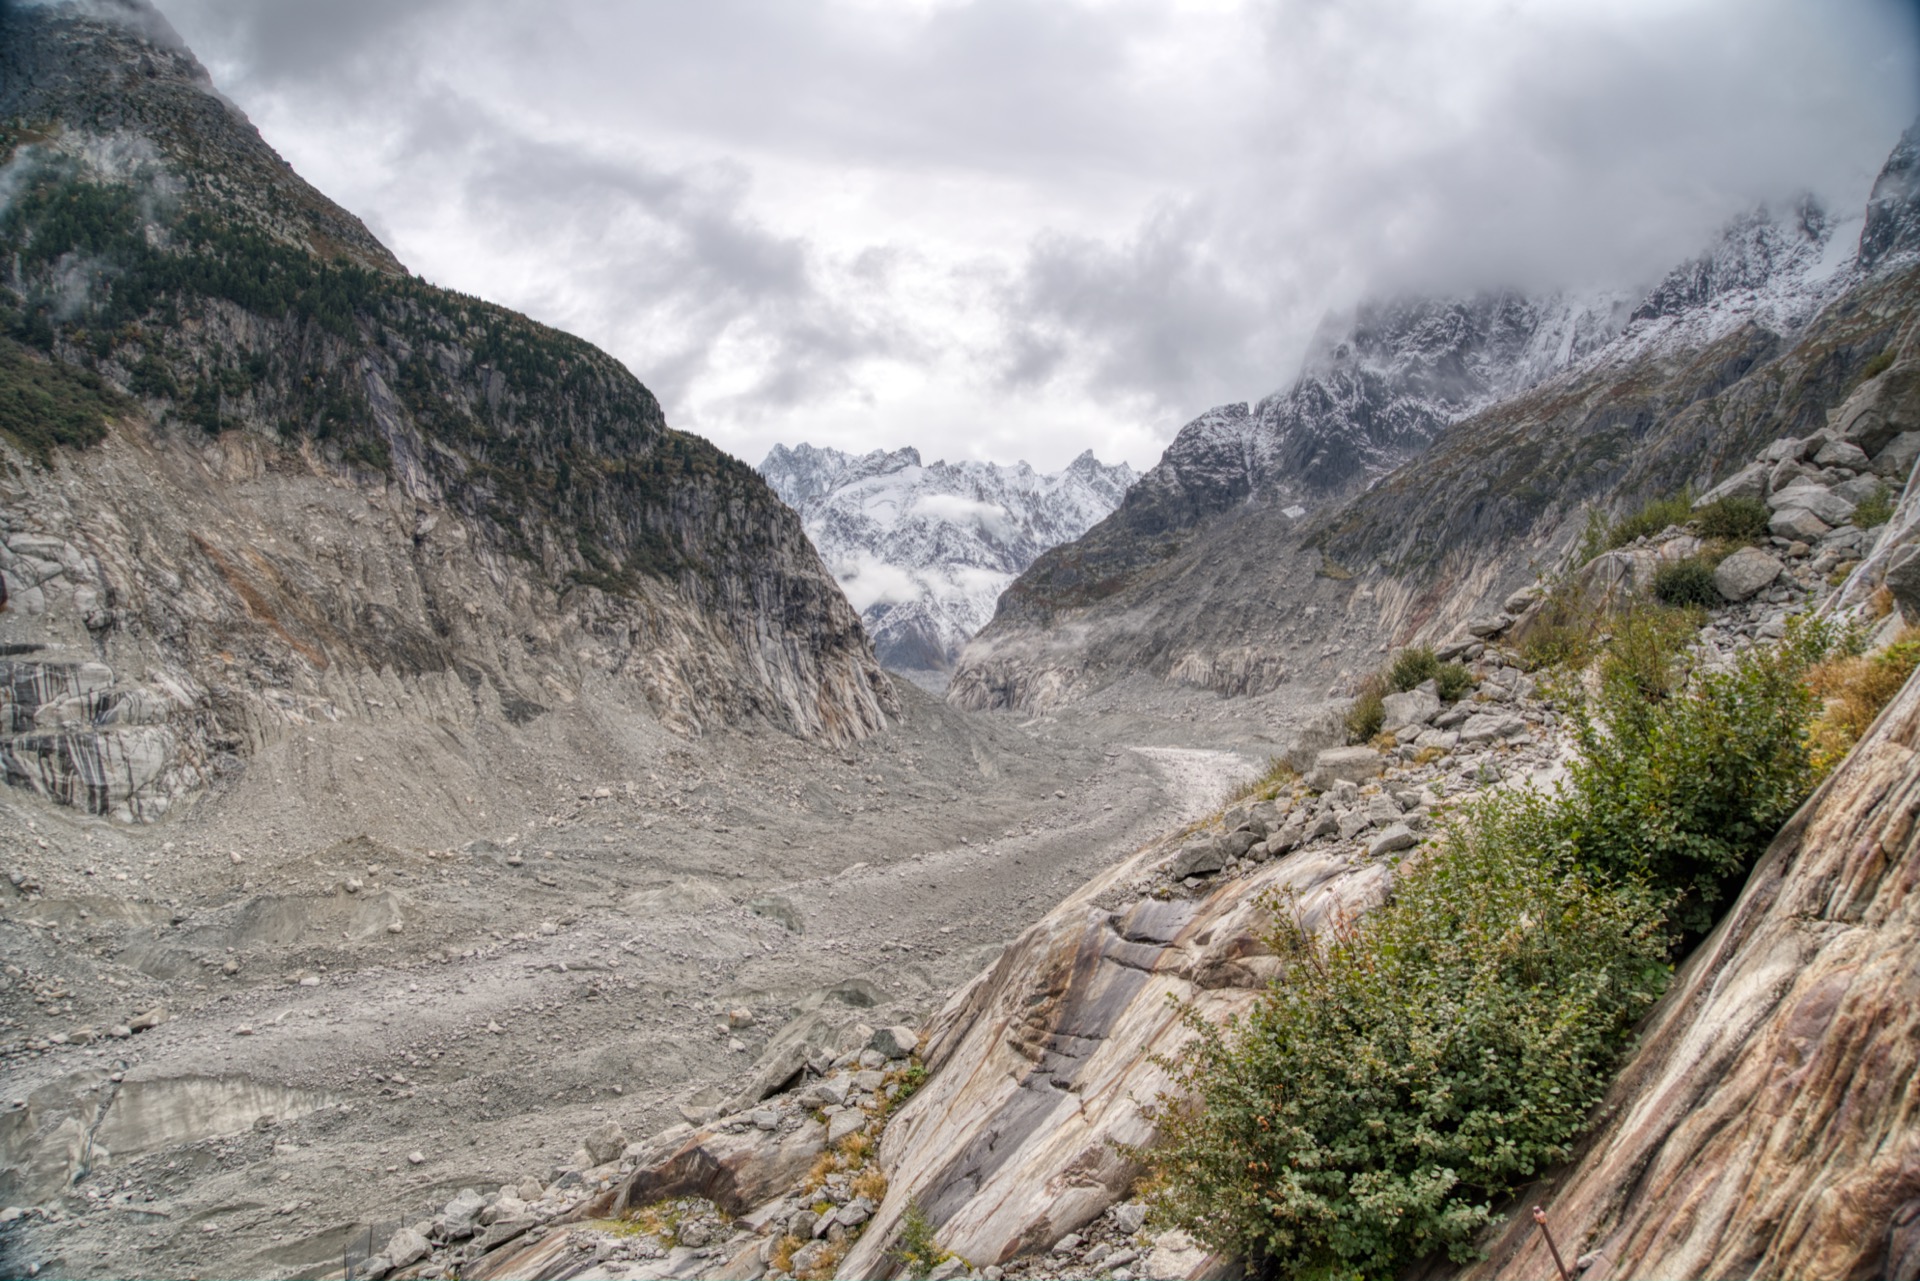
[(1418, 1064), (1875, 510), (1686, 582), (1734, 520), (45, 404), (1853, 689)]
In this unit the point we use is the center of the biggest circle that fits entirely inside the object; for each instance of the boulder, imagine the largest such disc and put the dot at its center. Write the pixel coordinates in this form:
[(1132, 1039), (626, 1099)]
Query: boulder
[(1349, 764), (1489, 625), (736, 1171), (1409, 710), (1749, 482), (1789, 473), (1488, 727), (1176, 1257), (1202, 858), (405, 1247), (842, 1125), (1860, 488), (895, 1042), (1818, 499), (1797, 523), (1895, 462), (1841, 453), (606, 1143), (1903, 579), (1881, 408), (1394, 839), (1743, 574), (1788, 448)]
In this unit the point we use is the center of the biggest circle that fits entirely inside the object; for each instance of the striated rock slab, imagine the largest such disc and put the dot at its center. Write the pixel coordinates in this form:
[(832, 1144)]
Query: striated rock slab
[(1043, 1064), (1767, 1125)]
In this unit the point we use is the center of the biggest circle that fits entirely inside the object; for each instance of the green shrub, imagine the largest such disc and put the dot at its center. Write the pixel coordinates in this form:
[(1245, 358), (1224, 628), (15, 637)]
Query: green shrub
[(1454, 681), (1647, 645), (1562, 634), (1685, 582), (1875, 510), (1414, 1066), (1411, 666), (1368, 714), (1878, 365), (915, 1251), (1684, 792), (44, 404), (1676, 509), (1740, 520)]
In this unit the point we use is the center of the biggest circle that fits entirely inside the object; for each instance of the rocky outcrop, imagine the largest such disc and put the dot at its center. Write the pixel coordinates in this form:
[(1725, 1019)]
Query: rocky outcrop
[(1764, 1127), (275, 479)]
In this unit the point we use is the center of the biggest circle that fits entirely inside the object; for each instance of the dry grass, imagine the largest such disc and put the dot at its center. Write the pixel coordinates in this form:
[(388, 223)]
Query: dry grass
[(1276, 778), (850, 1154), (1428, 755), (871, 1184), (828, 1264), (1855, 689), (782, 1260)]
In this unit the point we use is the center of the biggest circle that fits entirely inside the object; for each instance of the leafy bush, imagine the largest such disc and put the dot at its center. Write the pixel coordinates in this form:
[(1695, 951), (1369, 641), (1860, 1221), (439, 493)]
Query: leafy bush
[(915, 1250), (1416, 1065), (1411, 666), (1875, 509), (1646, 648), (1878, 365), (1683, 792), (1740, 520), (1562, 634), (1677, 509), (1853, 689), (1454, 681), (1368, 714), (1685, 582)]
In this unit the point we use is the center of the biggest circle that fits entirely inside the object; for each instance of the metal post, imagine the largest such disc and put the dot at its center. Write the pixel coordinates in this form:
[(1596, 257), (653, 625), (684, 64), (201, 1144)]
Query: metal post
[(1540, 1217)]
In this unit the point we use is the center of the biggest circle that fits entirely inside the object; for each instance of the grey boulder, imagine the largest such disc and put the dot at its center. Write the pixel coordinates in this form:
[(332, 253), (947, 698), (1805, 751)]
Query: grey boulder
[(1895, 462), (1348, 764), (1203, 858), (1394, 839), (1797, 523), (1409, 710), (1486, 727), (1841, 453), (1749, 482), (1743, 574), (1818, 499)]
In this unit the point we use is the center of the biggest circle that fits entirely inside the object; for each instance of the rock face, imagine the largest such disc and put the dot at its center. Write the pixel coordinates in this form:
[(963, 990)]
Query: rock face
[(1221, 570), (343, 493), (1765, 1125), (924, 551)]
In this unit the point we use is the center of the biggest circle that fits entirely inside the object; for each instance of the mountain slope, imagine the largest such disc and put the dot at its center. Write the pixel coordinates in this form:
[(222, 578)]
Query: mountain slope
[(924, 551), (303, 470), (1242, 586)]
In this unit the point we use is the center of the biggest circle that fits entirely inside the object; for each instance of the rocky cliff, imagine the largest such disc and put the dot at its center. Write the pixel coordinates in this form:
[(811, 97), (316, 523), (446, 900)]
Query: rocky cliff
[(256, 474), (924, 551), (1431, 453)]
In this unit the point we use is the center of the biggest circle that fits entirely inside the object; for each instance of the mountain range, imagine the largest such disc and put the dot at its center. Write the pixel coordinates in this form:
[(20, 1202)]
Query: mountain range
[(922, 550)]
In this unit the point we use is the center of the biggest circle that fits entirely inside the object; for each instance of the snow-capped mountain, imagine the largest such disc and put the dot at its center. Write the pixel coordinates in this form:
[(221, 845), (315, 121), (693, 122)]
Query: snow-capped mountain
[(1381, 381), (923, 551)]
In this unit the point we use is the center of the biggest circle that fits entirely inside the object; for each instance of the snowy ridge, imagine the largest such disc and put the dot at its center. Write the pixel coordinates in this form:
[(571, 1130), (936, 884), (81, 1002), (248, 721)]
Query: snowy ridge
[(1381, 381), (923, 551)]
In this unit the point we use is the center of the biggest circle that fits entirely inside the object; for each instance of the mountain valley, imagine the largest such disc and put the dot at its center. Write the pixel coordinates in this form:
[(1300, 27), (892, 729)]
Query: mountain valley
[(458, 825)]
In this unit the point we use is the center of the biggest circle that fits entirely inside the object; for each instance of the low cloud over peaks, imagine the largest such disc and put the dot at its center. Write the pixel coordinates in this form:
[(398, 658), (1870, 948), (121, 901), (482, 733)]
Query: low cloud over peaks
[(1023, 228)]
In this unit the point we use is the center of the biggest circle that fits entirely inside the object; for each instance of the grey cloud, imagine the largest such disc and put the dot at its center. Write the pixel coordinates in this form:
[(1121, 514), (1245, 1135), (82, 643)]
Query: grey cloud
[(1196, 190)]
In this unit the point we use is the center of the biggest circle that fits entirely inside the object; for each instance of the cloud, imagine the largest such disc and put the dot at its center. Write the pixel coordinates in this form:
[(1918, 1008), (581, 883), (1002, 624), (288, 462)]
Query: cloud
[(1022, 228), (958, 509)]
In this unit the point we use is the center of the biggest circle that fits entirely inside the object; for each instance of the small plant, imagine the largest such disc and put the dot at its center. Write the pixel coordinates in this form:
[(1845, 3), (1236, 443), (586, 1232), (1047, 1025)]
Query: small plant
[(1875, 510), (1737, 520), (915, 1251), (1368, 713), (1412, 666), (870, 1183), (1453, 680), (1685, 582), (1562, 634), (1880, 364)]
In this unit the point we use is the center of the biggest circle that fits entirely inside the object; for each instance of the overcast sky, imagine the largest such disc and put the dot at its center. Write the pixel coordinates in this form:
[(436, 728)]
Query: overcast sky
[(1022, 228)]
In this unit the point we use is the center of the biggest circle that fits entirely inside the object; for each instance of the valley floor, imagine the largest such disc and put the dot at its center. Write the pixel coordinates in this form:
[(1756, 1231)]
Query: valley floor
[(384, 979)]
